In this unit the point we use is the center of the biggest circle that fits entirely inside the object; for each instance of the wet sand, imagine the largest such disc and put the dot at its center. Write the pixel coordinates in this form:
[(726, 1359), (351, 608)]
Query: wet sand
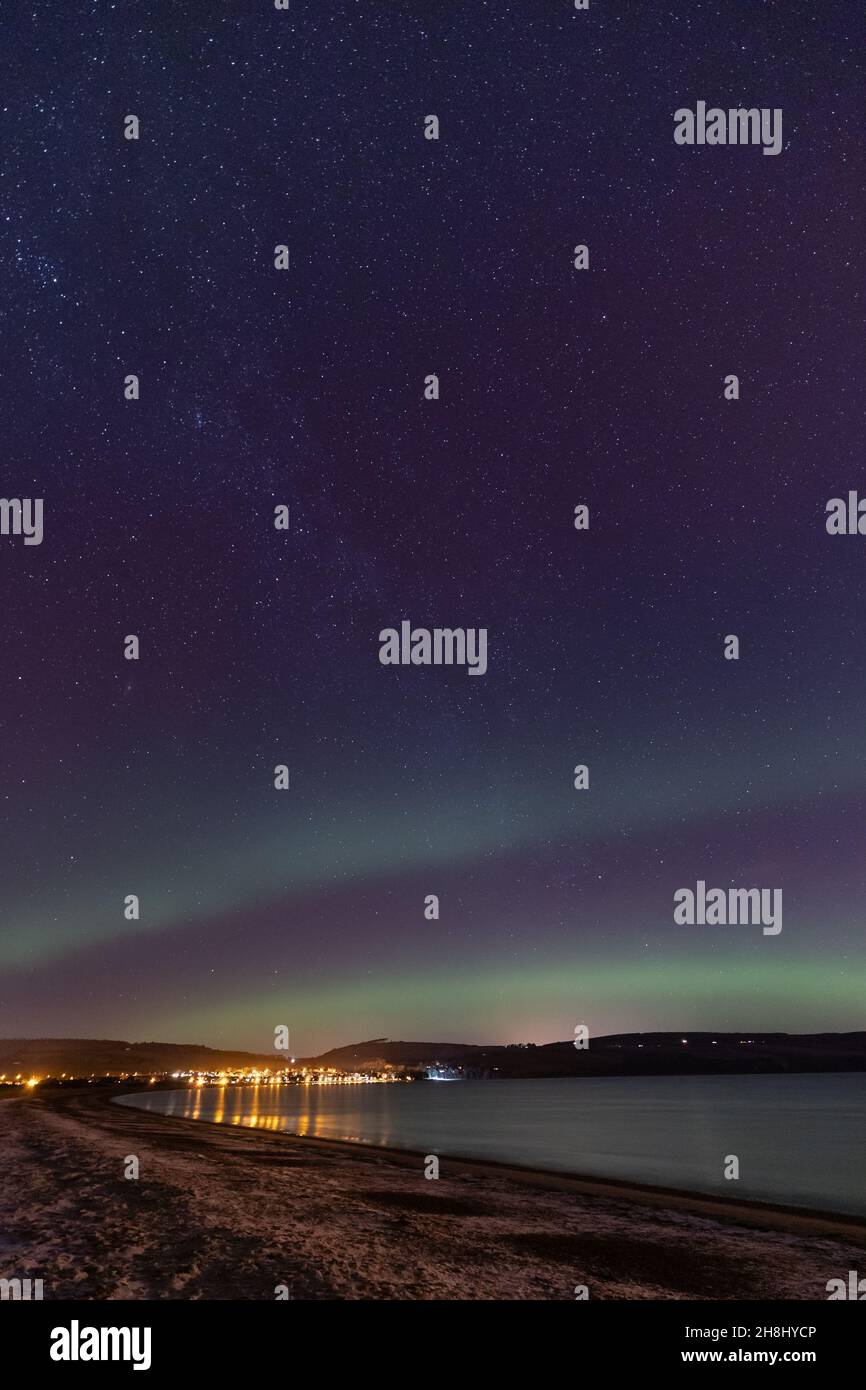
[(220, 1212)]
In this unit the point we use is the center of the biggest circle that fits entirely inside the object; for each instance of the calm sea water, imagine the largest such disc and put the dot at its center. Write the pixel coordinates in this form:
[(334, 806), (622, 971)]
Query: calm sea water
[(800, 1139)]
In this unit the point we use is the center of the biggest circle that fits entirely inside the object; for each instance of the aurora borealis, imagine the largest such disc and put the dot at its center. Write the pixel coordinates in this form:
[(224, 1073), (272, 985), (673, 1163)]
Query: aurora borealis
[(305, 388)]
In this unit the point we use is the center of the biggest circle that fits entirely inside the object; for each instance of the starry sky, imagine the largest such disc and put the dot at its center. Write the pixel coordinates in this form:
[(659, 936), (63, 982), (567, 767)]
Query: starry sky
[(306, 388)]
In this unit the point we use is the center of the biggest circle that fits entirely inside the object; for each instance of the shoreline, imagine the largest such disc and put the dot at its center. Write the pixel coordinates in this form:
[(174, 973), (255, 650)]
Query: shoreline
[(742, 1210), (227, 1212)]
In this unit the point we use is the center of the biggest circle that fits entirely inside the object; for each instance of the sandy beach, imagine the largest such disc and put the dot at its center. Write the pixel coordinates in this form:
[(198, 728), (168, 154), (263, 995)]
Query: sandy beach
[(226, 1213)]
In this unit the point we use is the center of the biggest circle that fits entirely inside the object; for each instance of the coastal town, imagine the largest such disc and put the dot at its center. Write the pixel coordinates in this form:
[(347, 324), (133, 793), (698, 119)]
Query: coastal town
[(284, 1076)]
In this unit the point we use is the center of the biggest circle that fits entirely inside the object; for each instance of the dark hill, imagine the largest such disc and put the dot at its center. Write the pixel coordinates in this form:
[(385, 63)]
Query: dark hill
[(620, 1054), (623, 1054)]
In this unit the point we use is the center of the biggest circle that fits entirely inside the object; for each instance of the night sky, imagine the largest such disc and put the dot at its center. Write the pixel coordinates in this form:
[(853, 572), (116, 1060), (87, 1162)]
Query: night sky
[(306, 388)]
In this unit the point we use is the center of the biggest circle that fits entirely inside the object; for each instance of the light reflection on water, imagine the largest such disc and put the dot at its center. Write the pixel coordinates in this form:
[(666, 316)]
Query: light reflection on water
[(798, 1138)]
